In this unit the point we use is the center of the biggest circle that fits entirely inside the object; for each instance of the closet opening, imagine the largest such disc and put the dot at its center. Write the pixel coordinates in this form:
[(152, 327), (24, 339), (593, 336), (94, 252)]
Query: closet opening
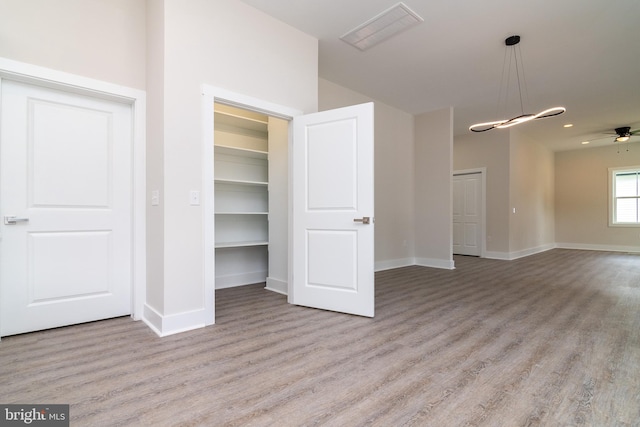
[(260, 196), (250, 151)]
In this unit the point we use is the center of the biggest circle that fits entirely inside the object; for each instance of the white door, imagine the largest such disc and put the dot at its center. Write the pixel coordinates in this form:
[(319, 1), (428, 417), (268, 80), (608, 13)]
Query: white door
[(333, 229), (66, 207), (467, 214)]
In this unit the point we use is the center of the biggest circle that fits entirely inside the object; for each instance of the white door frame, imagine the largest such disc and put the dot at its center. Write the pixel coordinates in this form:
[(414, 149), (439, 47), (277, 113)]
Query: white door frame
[(483, 224), (71, 83), (211, 94)]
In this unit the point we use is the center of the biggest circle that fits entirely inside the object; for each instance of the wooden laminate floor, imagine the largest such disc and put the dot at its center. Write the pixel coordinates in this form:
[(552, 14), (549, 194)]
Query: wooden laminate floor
[(548, 340)]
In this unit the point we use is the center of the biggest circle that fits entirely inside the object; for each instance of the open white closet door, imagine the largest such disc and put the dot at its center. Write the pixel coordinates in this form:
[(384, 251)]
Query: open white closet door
[(333, 219)]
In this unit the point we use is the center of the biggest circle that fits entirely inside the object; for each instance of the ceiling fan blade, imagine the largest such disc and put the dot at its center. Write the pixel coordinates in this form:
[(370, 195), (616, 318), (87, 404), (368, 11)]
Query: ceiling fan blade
[(633, 132)]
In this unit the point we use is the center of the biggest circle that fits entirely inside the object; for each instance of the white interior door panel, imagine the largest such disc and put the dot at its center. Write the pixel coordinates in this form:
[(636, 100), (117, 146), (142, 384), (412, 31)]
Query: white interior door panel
[(66, 171), (333, 229)]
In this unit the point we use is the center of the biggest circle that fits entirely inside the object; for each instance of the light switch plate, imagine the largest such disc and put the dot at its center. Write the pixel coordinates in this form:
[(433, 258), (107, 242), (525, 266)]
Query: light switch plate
[(194, 198)]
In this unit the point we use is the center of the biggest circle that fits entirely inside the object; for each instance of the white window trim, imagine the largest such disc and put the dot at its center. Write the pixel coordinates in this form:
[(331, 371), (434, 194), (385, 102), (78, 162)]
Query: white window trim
[(612, 172)]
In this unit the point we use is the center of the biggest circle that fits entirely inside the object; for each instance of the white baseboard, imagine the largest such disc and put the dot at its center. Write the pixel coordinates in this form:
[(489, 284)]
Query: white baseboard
[(505, 256), (436, 263), (394, 263), (497, 255), (590, 247), (174, 323), (277, 285), (531, 251), (233, 280), (407, 262), (509, 256)]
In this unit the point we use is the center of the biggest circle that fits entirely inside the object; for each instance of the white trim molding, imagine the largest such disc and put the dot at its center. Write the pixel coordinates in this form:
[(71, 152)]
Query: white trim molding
[(497, 255), (59, 80), (165, 325), (531, 251), (612, 195), (509, 256), (436, 263), (595, 247), (277, 285), (246, 278), (394, 263)]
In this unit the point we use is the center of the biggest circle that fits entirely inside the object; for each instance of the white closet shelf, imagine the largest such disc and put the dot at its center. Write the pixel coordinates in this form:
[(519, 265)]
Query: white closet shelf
[(222, 245), (242, 213), (241, 182), (237, 151), (241, 195), (241, 121)]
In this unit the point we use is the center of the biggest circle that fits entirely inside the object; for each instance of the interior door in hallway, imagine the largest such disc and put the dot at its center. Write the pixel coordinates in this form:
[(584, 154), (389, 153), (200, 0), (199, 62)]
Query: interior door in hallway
[(66, 207), (333, 218), (467, 214)]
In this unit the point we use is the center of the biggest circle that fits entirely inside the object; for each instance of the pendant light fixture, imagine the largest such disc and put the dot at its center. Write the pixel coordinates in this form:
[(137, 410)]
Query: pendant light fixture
[(515, 57)]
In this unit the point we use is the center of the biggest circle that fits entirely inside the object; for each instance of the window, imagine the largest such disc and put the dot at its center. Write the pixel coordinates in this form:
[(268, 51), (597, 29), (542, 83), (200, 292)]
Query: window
[(625, 196)]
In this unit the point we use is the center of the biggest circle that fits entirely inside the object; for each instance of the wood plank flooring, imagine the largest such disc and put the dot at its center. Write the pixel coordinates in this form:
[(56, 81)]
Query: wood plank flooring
[(548, 340)]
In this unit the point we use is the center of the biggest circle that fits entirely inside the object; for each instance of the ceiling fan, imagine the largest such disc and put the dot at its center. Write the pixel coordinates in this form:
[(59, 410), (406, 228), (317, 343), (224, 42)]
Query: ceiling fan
[(624, 133)]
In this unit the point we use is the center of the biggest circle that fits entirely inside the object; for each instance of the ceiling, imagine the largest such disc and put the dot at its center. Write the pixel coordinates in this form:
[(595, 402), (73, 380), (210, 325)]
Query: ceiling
[(581, 54)]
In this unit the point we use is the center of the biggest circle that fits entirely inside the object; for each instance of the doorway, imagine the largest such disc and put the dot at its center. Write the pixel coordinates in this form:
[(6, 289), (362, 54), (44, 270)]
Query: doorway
[(354, 127), (469, 212), (250, 198), (278, 242), (72, 199)]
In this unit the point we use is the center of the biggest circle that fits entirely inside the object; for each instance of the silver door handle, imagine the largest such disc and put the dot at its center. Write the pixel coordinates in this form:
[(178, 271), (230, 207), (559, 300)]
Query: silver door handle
[(12, 219), (364, 220)]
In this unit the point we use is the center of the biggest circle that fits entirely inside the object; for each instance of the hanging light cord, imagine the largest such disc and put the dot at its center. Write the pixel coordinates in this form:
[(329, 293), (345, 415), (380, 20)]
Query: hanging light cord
[(515, 53), (513, 41)]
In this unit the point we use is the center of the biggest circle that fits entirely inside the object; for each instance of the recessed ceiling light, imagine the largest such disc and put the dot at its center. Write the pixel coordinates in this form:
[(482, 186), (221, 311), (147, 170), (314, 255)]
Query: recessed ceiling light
[(585, 142), (568, 125)]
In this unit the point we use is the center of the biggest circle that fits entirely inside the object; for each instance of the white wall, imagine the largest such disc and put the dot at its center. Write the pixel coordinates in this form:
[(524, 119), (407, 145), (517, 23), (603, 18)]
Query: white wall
[(155, 153), (222, 43), (433, 159), (520, 175), (394, 203), (278, 205), (491, 151), (531, 194), (101, 39), (227, 44), (413, 170), (582, 197)]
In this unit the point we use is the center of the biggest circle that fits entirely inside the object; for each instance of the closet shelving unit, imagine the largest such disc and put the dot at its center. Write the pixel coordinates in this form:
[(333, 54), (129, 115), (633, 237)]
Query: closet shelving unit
[(241, 201)]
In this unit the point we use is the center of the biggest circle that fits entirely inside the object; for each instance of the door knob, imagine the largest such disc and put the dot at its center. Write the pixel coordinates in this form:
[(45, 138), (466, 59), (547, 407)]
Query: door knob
[(364, 220), (12, 220)]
